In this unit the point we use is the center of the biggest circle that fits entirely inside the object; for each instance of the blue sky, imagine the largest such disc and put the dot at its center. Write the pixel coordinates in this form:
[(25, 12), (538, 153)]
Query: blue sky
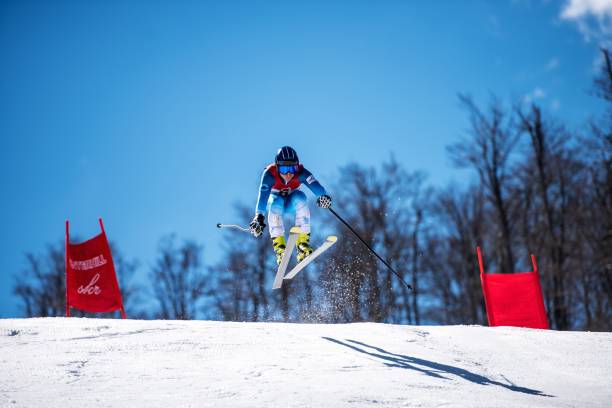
[(158, 116)]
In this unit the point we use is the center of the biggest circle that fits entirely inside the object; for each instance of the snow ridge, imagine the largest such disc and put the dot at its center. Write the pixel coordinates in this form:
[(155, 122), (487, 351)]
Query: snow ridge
[(60, 362)]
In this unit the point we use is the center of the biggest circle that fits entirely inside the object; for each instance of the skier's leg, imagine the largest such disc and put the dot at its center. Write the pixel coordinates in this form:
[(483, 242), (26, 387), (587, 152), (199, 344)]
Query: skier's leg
[(276, 208), (299, 203), (275, 221)]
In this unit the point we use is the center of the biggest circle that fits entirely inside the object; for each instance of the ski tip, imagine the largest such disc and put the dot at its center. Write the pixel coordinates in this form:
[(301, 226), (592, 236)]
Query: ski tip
[(218, 225), (295, 230), (332, 238)]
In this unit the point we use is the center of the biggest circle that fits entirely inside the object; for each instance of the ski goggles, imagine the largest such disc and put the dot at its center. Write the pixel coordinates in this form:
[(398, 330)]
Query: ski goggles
[(292, 169)]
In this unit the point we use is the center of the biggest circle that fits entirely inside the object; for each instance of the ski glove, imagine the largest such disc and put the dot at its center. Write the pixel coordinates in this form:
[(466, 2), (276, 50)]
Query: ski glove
[(324, 201), (257, 225)]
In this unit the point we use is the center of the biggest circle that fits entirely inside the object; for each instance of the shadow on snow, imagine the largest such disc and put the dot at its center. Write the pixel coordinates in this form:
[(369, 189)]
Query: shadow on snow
[(427, 367)]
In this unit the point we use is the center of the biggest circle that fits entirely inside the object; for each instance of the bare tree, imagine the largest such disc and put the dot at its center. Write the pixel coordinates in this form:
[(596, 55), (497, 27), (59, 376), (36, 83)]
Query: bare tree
[(346, 279), (42, 283), (420, 203), (488, 150), (597, 223), (603, 82), (551, 169), (178, 279), (230, 292), (450, 255), (596, 218), (384, 207)]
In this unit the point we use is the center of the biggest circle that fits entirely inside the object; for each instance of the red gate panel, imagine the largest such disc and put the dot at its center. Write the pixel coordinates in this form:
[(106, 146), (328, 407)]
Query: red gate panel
[(513, 299), (91, 281)]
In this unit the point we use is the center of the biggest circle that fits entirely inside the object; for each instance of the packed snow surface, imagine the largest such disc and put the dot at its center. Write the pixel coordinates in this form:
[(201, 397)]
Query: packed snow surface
[(60, 362)]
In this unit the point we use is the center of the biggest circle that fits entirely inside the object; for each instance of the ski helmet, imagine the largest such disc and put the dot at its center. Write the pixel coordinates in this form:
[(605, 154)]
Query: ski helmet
[(286, 156)]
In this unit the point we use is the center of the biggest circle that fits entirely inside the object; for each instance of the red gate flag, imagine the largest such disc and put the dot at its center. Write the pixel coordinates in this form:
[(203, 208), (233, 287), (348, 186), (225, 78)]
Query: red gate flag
[(513, 299), (91, 281)]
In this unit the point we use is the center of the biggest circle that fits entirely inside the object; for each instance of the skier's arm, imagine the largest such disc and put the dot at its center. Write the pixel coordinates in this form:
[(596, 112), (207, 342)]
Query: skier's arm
[(267, 181), (307, 178)]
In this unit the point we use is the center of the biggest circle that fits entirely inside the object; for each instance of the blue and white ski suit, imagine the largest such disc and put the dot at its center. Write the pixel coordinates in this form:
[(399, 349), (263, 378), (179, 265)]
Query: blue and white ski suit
[(281, 197)]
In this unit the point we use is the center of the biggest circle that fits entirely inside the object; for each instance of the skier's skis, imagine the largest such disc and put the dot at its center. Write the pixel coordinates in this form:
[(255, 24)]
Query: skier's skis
[(293, 236), (331, 240)]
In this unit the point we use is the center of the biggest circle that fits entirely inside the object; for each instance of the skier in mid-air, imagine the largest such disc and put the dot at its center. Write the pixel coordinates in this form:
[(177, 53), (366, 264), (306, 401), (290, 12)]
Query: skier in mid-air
[(279, 188)]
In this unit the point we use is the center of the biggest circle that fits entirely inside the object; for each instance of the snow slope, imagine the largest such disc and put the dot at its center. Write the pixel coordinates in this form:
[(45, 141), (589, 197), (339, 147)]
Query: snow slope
[(59, 362)]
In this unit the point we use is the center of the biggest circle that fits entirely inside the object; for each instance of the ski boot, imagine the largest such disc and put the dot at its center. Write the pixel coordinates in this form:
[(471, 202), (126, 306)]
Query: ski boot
[(303, 246), (279, 245)]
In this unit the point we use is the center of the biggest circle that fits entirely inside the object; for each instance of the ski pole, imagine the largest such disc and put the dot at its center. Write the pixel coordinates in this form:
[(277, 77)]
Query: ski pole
[(369, 247), (238, 227)]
